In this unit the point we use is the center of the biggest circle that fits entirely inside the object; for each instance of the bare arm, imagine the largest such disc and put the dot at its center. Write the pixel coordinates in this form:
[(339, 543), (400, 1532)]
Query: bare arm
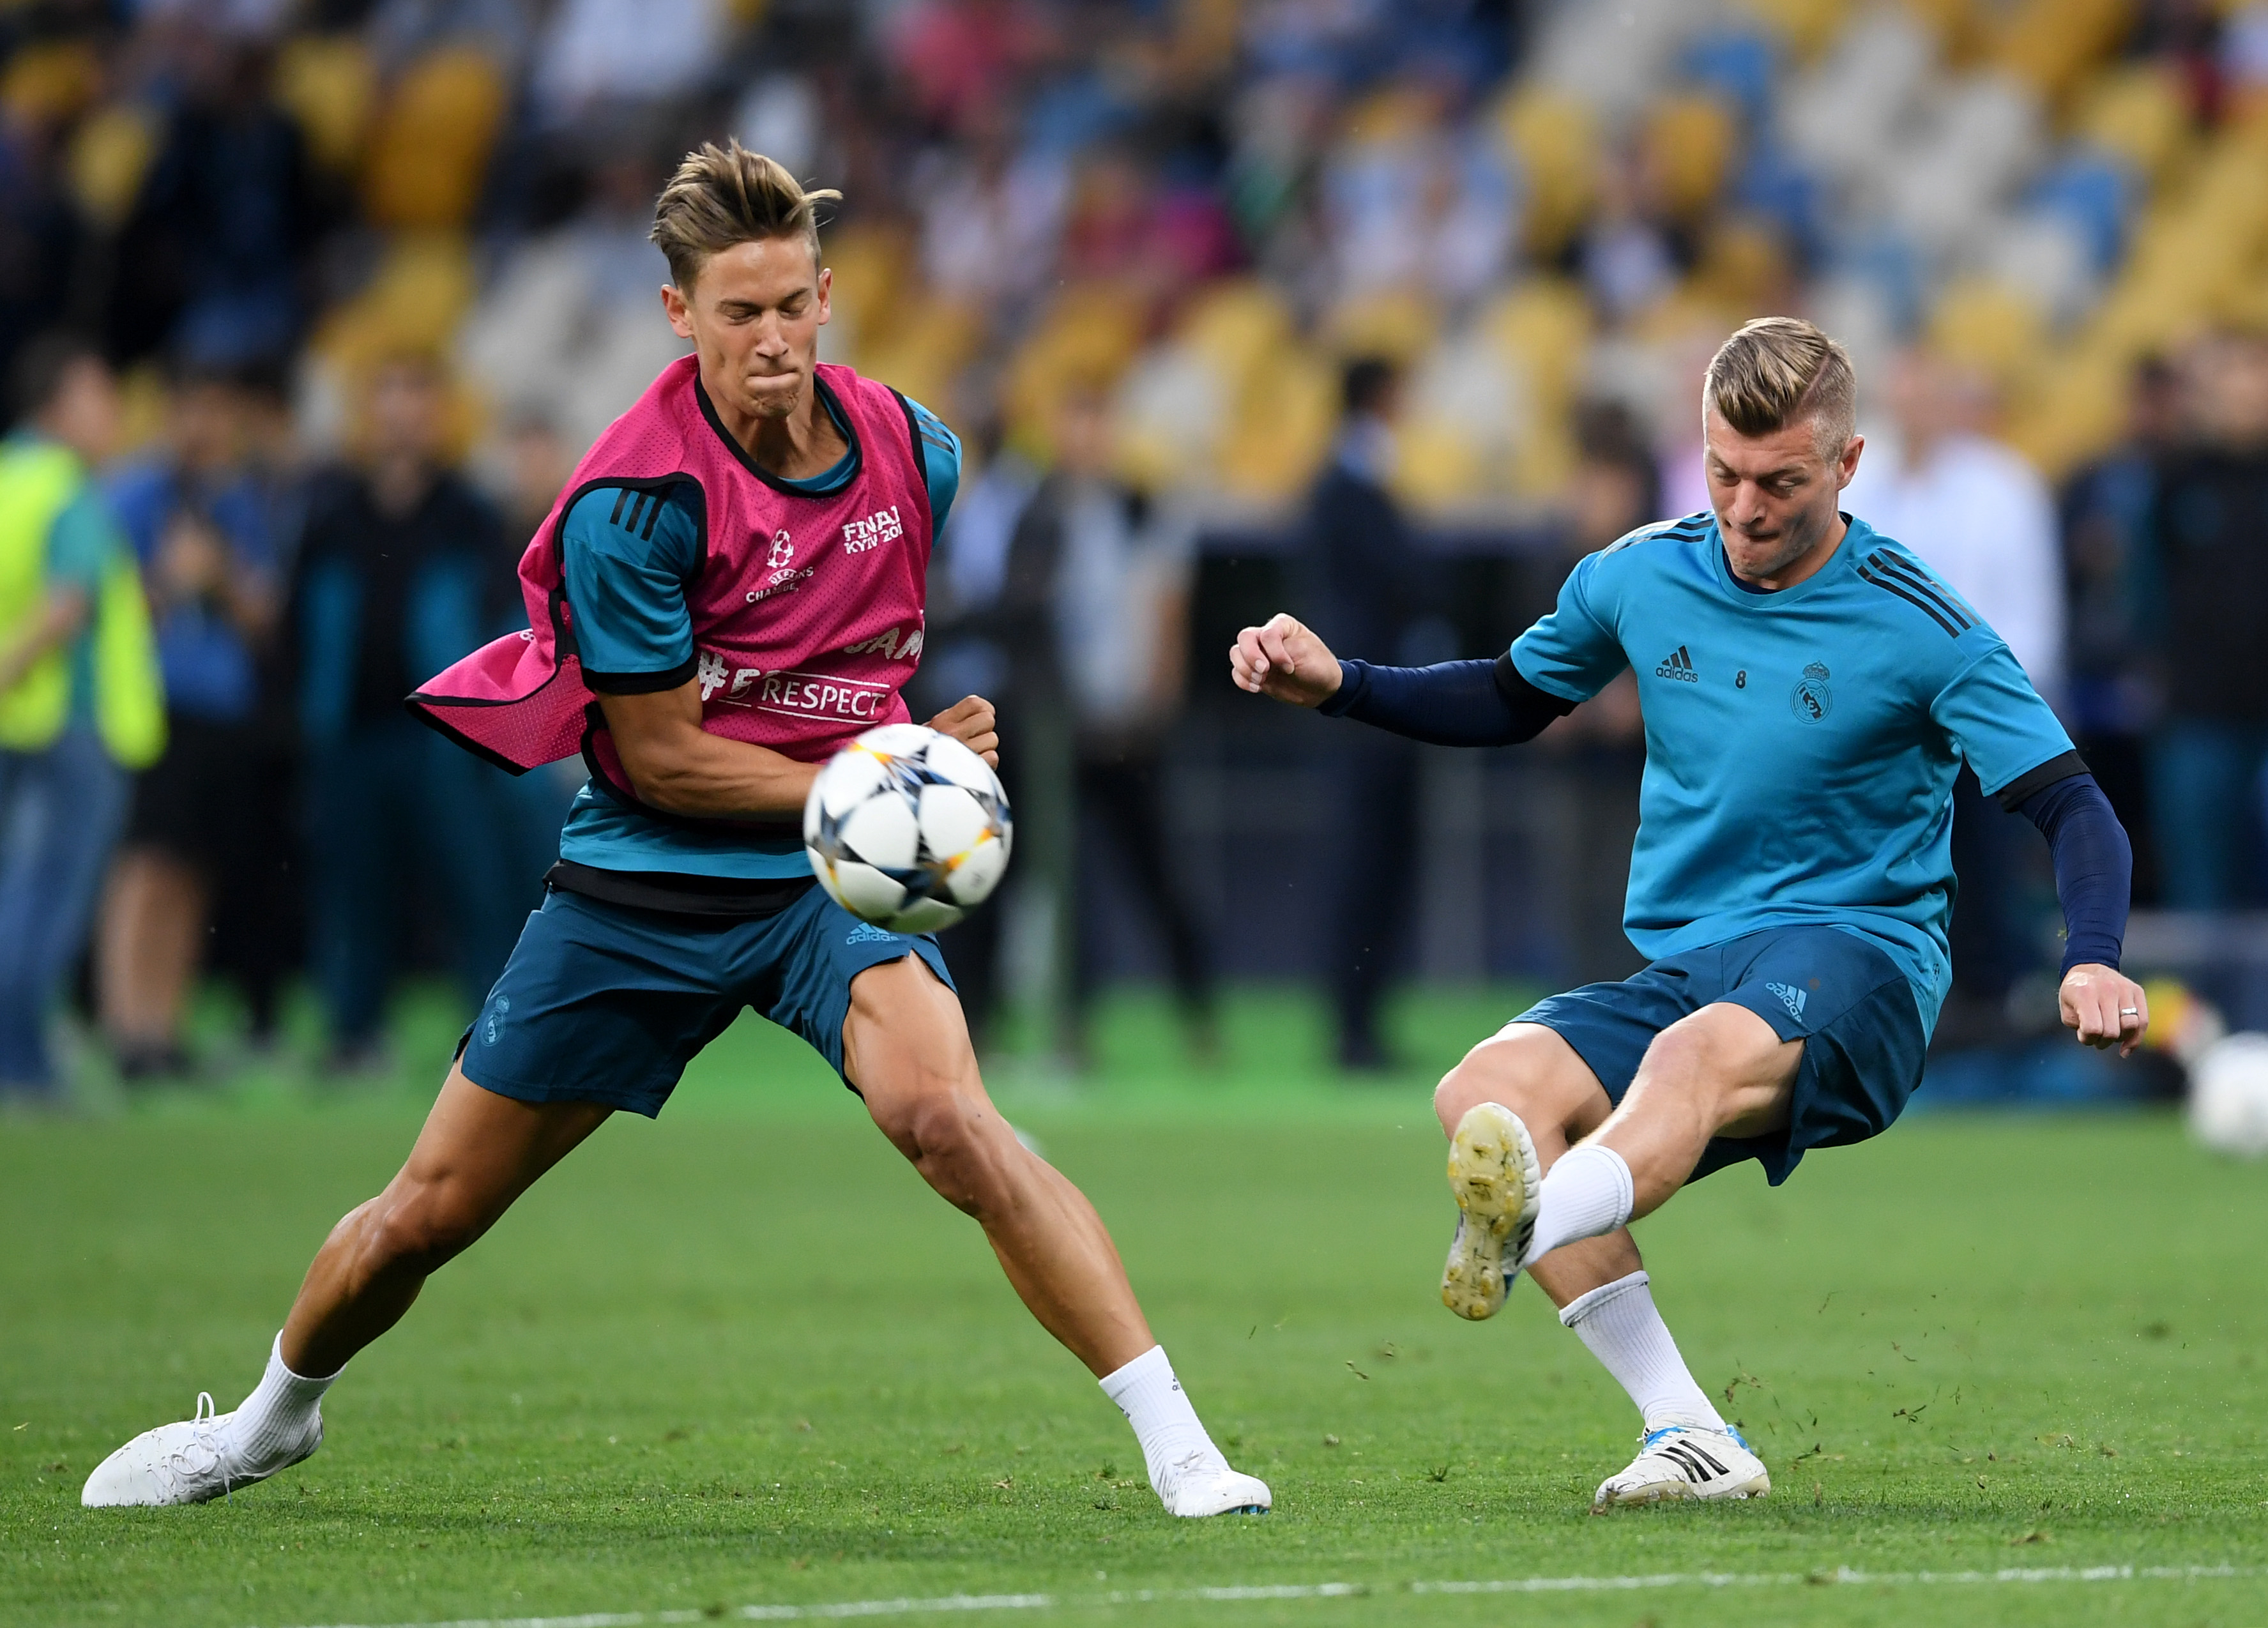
[(680, 767), (62, 618)]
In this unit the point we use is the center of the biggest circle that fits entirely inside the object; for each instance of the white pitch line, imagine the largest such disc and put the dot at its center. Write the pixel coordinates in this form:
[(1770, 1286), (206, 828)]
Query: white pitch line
[(904, 1606)]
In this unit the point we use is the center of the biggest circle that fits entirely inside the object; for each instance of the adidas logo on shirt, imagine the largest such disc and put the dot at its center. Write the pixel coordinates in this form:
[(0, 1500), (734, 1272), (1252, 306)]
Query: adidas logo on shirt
[(1679, 666)]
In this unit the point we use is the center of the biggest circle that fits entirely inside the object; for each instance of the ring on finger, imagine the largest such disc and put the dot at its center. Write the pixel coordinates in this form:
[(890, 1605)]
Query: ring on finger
[(2129, 1012)]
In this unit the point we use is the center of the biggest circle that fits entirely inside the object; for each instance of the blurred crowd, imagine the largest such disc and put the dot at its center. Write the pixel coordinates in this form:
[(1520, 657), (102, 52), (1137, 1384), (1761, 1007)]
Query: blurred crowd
[(308, 306)]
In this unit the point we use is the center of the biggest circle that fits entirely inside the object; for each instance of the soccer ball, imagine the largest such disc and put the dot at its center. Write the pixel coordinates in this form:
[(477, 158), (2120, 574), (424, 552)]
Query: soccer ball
[(906, 828), (2228, 1096)]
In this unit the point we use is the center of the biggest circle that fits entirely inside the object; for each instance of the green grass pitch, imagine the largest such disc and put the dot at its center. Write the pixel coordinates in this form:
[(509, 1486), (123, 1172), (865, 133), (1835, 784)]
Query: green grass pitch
[(742, 1358)]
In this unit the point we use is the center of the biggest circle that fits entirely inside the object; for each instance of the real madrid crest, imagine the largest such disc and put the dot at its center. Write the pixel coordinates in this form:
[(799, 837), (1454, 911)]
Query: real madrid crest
[(1811, 699)]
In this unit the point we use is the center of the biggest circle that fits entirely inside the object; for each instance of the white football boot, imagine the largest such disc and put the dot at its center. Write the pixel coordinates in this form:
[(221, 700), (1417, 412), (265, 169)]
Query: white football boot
[(1686, 1461), (189, 1463), (1497, 1185), (1201, 1484)]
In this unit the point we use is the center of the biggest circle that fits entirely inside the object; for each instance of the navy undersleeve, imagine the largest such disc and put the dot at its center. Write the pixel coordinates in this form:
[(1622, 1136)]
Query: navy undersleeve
[(2094, 866), (1451, 704)]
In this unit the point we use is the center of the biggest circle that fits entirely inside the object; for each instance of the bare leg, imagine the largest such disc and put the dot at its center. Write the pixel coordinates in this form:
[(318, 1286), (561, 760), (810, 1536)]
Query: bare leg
[(1721, 1071), (153, 916), (906, 1048), (477, 1153), (1531, 1071)]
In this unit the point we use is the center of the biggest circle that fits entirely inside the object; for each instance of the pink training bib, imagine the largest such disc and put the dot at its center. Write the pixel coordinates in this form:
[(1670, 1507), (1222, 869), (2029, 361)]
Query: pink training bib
[(807, 612)]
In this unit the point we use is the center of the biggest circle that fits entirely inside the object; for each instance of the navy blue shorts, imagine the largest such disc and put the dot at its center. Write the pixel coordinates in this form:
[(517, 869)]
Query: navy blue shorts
[(1847, 1001), (608, 1003)]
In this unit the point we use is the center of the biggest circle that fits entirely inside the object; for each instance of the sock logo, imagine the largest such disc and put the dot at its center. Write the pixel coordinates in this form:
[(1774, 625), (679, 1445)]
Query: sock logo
[(1790, 996)]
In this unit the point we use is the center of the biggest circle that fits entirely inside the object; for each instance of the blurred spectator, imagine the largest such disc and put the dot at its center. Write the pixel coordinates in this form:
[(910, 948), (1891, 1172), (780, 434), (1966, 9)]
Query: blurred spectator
[(991, 216), (404, 569), (1974, 508), (212, 263), (1598, 750), (961, 58), (199, 528), (1415, 201), (1362, 592), (41, 233), (968, 654), (2209, 528), (567, 332), (2114, 692), (538, 460), (80, 699), (596, 56), (1985, 521), (1113, 575)]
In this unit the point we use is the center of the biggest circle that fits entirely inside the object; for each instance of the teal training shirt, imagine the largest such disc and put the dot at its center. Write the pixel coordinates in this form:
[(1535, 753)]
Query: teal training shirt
[(633, 632), (1801, 746)]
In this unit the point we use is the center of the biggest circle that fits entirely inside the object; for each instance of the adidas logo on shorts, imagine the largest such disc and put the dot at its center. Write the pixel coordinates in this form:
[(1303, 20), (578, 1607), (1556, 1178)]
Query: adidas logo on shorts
[(1790, 996), (866, 932)]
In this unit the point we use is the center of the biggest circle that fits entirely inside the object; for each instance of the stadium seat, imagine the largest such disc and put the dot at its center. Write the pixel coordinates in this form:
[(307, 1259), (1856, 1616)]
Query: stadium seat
[(109, 155), (328, 84), (429, 153), (1554, 140), (2138, 115)]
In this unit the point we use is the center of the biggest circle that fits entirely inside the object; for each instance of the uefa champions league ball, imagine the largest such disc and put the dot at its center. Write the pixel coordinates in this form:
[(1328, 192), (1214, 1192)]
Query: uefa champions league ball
[(2228, 1096), (906, 828)]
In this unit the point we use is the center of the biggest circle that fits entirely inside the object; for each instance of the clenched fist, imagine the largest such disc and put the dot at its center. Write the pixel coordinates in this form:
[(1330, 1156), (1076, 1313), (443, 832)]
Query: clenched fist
[(971, 721), (2106, 1008), (1284, 661)]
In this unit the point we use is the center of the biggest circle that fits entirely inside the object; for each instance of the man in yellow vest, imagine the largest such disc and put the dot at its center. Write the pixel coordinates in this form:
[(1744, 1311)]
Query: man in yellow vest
[(80, 701)]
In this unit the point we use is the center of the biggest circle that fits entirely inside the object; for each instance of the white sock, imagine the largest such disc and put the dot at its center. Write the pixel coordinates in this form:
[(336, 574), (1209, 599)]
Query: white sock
[(276, 1418), (1586, 1194), (1165, 1424), (1619, 1323)]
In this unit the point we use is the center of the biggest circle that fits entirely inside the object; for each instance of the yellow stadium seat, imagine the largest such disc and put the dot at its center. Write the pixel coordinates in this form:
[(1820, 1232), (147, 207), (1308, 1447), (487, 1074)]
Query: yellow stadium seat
[(1808, 26), (2139, 113), (870, 262), (422, 290), (2076, 411), (1689, 142), (329, 84), (1282, 428), (926, 350), (109, 156), (1396, 323), (51, 82), (1544, 325), (1959, 28), (2050, 44), (428, 154), (1554, 137), (1990, 326), (1085, 339), (1236, 324)]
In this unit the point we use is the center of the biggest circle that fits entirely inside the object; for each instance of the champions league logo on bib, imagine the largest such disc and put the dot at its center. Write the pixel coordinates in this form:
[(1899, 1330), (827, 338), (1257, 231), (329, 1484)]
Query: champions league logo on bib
[(1811, 699)]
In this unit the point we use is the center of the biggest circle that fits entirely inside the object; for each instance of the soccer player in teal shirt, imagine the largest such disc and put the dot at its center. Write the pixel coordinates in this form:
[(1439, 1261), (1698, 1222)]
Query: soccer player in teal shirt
[(1810, 690)]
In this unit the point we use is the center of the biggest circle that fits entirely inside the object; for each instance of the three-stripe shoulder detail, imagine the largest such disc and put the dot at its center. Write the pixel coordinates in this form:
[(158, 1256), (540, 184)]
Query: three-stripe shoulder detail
[(1692, 528), (643, 506), (1893, 575)]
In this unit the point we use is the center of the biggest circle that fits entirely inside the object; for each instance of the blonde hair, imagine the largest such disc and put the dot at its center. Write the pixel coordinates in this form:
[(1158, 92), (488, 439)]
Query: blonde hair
[(1781, 370), (725, 196)]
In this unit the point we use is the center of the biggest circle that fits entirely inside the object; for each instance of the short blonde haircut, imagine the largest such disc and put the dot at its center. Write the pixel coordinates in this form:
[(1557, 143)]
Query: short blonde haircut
[(725, 196), (1781, 371)]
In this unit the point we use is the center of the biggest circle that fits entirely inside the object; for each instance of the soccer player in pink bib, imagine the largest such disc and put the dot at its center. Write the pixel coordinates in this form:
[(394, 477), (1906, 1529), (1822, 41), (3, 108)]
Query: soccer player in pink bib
[(729, 589)]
